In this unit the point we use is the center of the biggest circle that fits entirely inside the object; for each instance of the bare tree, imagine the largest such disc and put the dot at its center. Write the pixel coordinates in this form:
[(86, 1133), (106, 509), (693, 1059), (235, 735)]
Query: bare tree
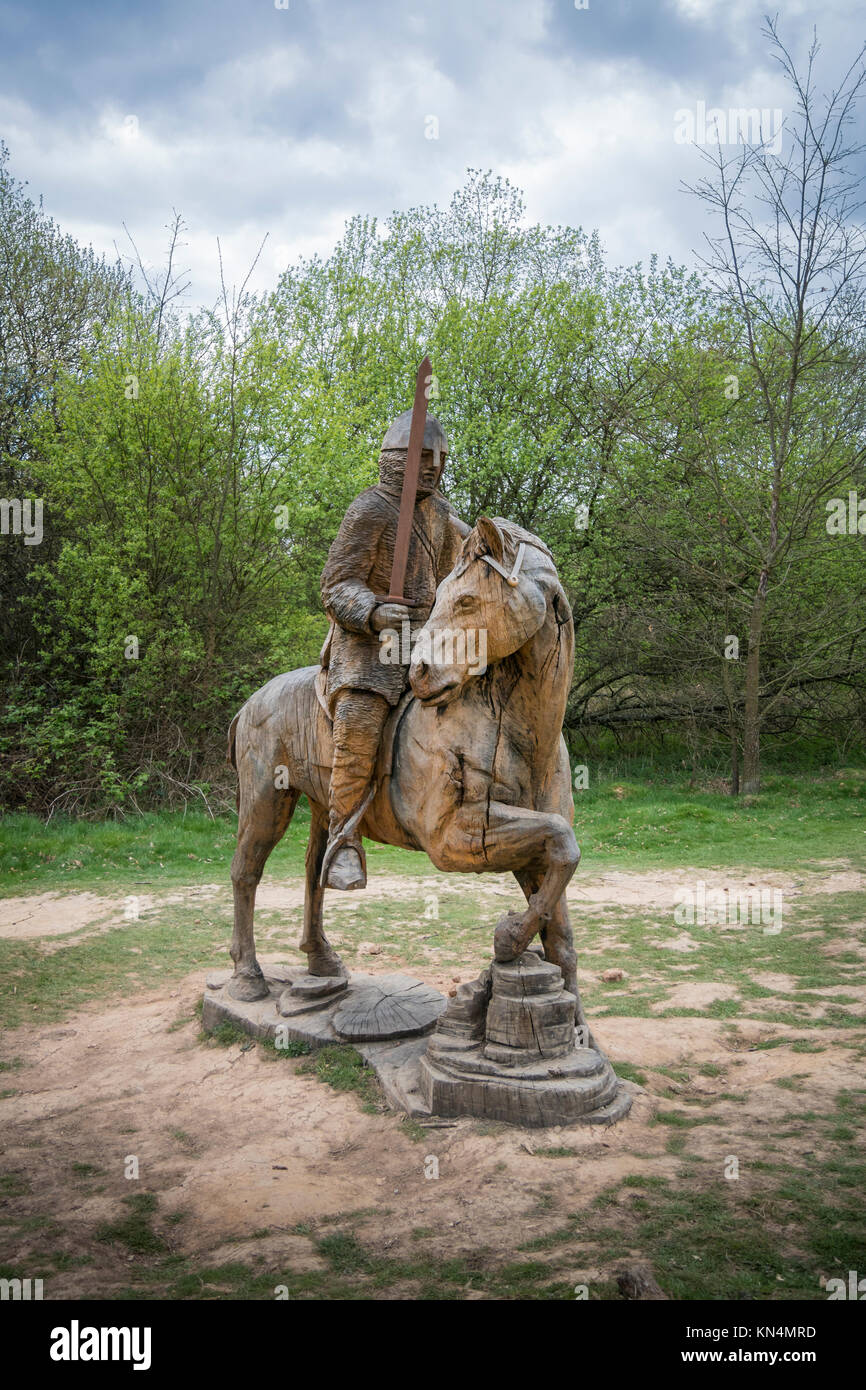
[(790, 265)]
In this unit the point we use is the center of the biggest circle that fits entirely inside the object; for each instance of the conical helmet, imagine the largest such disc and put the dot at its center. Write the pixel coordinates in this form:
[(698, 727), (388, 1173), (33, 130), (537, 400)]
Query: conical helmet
[(435, 438)]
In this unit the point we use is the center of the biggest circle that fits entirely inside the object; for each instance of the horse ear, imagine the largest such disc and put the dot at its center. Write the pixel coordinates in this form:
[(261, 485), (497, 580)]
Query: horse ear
[(490, 534)]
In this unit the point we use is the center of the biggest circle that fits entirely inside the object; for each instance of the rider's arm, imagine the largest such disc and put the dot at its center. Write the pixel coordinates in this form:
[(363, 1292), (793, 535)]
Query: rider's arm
[(347, 598)]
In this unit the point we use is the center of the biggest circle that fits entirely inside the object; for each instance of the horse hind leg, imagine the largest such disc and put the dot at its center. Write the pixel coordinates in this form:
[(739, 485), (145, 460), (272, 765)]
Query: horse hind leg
[(265, 811), (322, 959)]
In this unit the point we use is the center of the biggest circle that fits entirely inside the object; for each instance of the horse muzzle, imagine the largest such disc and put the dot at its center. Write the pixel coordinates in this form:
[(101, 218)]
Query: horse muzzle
[(433, 685)]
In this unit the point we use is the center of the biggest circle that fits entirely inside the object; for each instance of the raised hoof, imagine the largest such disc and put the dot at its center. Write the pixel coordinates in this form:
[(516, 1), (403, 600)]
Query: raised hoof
[(346, 870), (508, 937), (247, 988)]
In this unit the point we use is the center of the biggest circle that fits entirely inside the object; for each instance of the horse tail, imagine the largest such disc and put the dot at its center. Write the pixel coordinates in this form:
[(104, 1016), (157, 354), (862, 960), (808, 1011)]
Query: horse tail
[(231, 757)]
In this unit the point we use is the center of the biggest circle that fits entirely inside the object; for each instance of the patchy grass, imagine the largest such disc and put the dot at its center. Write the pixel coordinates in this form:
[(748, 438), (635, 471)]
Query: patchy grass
[(769, 1235), (52, 980), (291, 1047), (344, 1069), (135, 1230), (156, 950)]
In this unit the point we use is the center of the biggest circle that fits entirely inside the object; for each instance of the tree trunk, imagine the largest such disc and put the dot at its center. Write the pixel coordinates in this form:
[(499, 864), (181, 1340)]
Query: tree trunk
[(733, 731), (751, 784)]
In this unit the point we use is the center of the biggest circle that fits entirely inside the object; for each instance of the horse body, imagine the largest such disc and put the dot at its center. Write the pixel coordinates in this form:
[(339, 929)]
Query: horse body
[(479, 774)]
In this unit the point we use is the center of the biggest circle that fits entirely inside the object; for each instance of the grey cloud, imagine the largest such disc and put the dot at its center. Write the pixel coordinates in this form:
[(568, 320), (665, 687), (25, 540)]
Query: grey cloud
[(254, 119)]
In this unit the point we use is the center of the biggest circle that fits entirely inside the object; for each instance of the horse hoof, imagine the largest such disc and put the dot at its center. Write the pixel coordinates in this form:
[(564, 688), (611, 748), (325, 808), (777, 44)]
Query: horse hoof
[(247, 988), (328, 964), (508, 936)]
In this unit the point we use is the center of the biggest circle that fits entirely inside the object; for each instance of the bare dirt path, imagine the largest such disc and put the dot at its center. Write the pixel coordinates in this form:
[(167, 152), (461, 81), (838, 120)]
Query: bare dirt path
[(235, 1144), (57, 914)]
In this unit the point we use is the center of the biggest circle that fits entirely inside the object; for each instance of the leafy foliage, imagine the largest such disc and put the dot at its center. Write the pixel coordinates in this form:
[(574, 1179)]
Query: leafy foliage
[(195, 467)]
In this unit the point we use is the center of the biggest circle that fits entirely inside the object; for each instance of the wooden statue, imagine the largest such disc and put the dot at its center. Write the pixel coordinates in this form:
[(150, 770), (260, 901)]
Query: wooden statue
[(404, 528), (467, 765), (479, 773)]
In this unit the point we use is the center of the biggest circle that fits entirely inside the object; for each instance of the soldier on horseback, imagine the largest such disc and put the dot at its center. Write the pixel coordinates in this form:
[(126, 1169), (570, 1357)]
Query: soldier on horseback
[(361, 688)]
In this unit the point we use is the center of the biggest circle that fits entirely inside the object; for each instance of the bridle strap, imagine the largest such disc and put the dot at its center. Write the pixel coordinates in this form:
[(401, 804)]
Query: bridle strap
[(512, 577)]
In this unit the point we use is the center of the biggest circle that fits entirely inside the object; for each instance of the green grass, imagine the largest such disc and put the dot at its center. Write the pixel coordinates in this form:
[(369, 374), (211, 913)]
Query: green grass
[(292, 1047), (149, 852), (136, 956), (344, 1069), (794, 822), (134, 1230)]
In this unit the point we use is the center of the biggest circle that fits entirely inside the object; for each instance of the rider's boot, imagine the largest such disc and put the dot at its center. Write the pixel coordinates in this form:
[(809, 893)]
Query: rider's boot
[(359, 717)]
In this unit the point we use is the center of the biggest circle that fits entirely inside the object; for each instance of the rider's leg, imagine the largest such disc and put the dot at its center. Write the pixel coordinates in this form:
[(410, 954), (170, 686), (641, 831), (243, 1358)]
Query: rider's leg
[(359, 717)]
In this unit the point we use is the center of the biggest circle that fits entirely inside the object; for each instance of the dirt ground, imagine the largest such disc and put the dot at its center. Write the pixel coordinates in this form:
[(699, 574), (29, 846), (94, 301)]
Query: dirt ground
[(238, 1143)]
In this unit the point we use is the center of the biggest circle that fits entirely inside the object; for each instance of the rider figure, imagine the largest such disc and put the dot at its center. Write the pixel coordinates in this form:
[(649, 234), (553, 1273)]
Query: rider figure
[(361, 688)]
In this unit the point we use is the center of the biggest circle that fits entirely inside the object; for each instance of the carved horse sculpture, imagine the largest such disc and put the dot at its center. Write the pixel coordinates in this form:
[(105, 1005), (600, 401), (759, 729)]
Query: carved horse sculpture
[(479, 774)]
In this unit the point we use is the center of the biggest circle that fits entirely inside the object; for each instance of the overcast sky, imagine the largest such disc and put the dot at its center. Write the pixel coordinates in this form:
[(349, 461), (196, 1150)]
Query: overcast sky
[(250, 119)]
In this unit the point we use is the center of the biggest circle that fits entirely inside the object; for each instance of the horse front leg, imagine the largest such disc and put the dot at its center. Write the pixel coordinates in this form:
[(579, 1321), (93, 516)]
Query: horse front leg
[(541, 842), (557, 940), (502, 839)]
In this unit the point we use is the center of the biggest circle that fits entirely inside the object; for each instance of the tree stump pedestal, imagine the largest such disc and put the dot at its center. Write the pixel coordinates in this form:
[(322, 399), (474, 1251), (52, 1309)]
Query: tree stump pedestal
[(506, 1048)]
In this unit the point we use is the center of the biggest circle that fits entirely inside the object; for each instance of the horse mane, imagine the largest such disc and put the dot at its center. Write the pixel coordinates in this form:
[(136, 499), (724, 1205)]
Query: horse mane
[(517, 535), (511, 535)]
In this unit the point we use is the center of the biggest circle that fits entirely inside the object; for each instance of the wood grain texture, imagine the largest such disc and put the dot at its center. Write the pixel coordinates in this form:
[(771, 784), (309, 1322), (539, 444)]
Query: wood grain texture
[(391, 1009), (505, 1049), (479, 779)]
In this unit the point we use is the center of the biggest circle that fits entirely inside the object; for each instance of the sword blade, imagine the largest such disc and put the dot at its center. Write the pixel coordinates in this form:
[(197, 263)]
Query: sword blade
[(410, 486)]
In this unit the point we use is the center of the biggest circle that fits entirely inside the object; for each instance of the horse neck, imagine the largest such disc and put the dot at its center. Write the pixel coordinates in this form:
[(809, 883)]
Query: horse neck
[(533, 683)]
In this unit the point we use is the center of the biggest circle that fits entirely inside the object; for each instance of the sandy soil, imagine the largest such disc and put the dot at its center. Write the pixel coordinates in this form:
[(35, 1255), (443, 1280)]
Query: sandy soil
[(238, 1142), (56, 914)]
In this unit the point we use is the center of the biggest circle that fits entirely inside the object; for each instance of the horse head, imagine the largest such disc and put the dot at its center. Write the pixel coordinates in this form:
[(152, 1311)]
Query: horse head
[(492, 603)]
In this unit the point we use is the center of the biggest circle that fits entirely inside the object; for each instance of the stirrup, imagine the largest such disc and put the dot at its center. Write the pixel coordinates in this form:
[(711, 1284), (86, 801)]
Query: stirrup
[(355, 878), (345, 835)]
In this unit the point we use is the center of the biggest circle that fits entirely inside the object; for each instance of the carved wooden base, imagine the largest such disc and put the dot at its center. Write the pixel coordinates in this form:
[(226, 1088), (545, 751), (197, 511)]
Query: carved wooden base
[(385, 1017), (321, 1009), (506, 1048)]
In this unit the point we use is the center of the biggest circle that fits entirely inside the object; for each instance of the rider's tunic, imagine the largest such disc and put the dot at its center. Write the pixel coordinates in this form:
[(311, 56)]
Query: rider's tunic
[(358, 570)]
